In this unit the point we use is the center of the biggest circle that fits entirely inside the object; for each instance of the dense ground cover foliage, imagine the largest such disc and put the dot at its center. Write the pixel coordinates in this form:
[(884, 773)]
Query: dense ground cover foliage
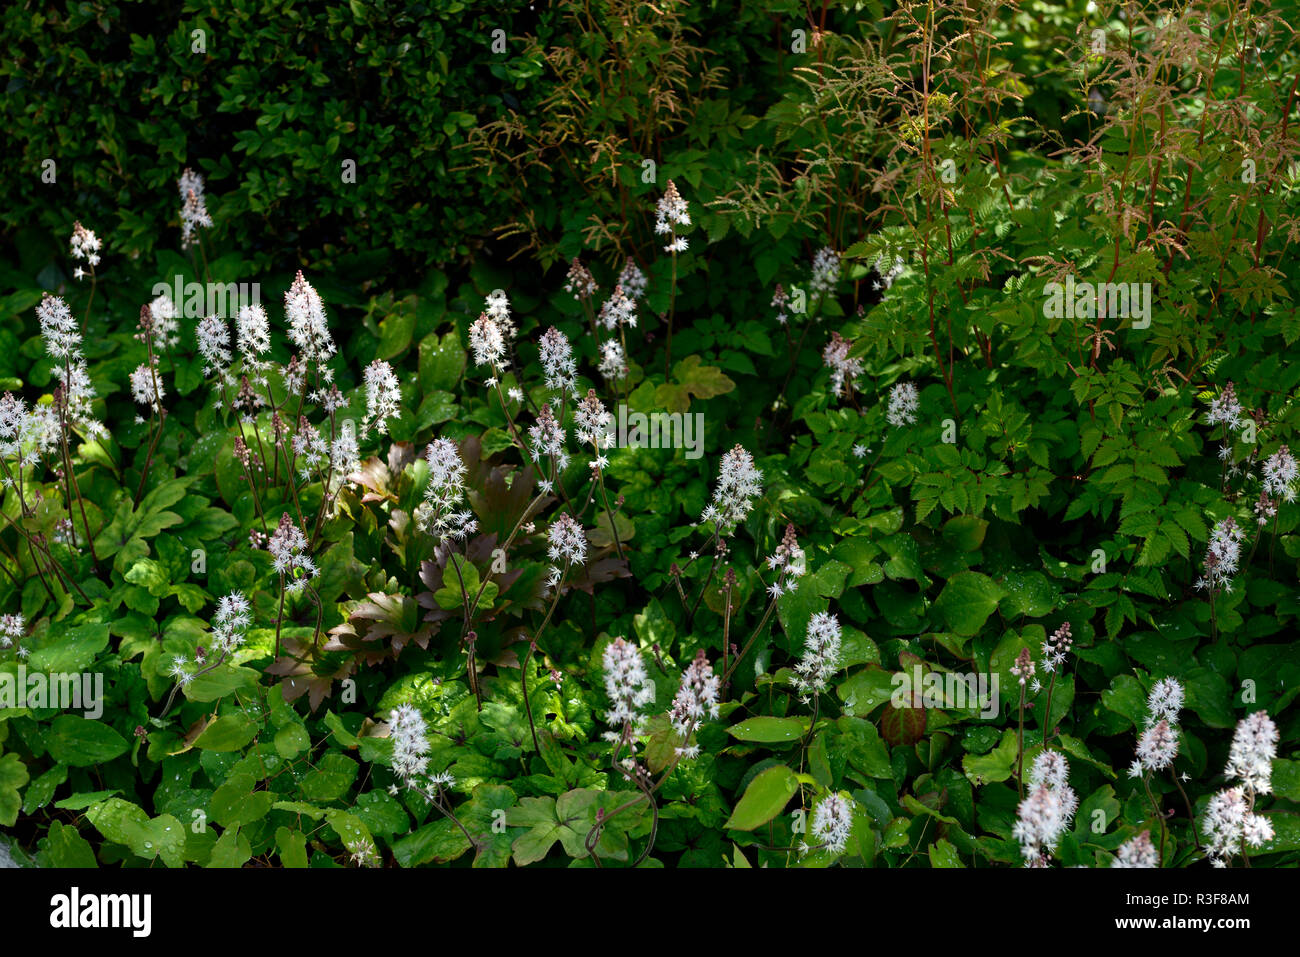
[(677, 436)]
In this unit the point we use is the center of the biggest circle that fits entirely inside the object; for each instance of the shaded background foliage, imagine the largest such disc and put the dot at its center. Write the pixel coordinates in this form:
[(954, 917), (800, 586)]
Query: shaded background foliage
[(478, 170)]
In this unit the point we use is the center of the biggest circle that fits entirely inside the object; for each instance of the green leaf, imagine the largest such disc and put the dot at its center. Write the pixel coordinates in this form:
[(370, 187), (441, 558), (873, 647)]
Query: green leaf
[(995, 766), (73, 652), (231, 850), (1286, 779), (862, 747), (544, 828), (395, 331), (163, 837), (13, 775), (41, 791), (235, 802), (692, 379), (292, 741), (943, 854), (770, 730), (84, 743), (967, 600), (331, 779), (293, 847), (62, 846), (230, 732), (764, 799), (965, 532), (439, 842), (117, 820), (220, 682), (79, 802), (442, 362)]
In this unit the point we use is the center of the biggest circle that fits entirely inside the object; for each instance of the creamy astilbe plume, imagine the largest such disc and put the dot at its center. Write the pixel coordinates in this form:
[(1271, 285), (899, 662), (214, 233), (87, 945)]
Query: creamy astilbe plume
[(1045, 813), (567, 546), (308, 327), (739, 483), (1137, 852), (696, 700), (383, 397), (832, 821), (441, 514), (633, 280), (843, 369), (613, 363), (288, 548), (821, 656), (558, 364), (194, 209), (904, 400), (788, 562), (618, 310), (629, 689)]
